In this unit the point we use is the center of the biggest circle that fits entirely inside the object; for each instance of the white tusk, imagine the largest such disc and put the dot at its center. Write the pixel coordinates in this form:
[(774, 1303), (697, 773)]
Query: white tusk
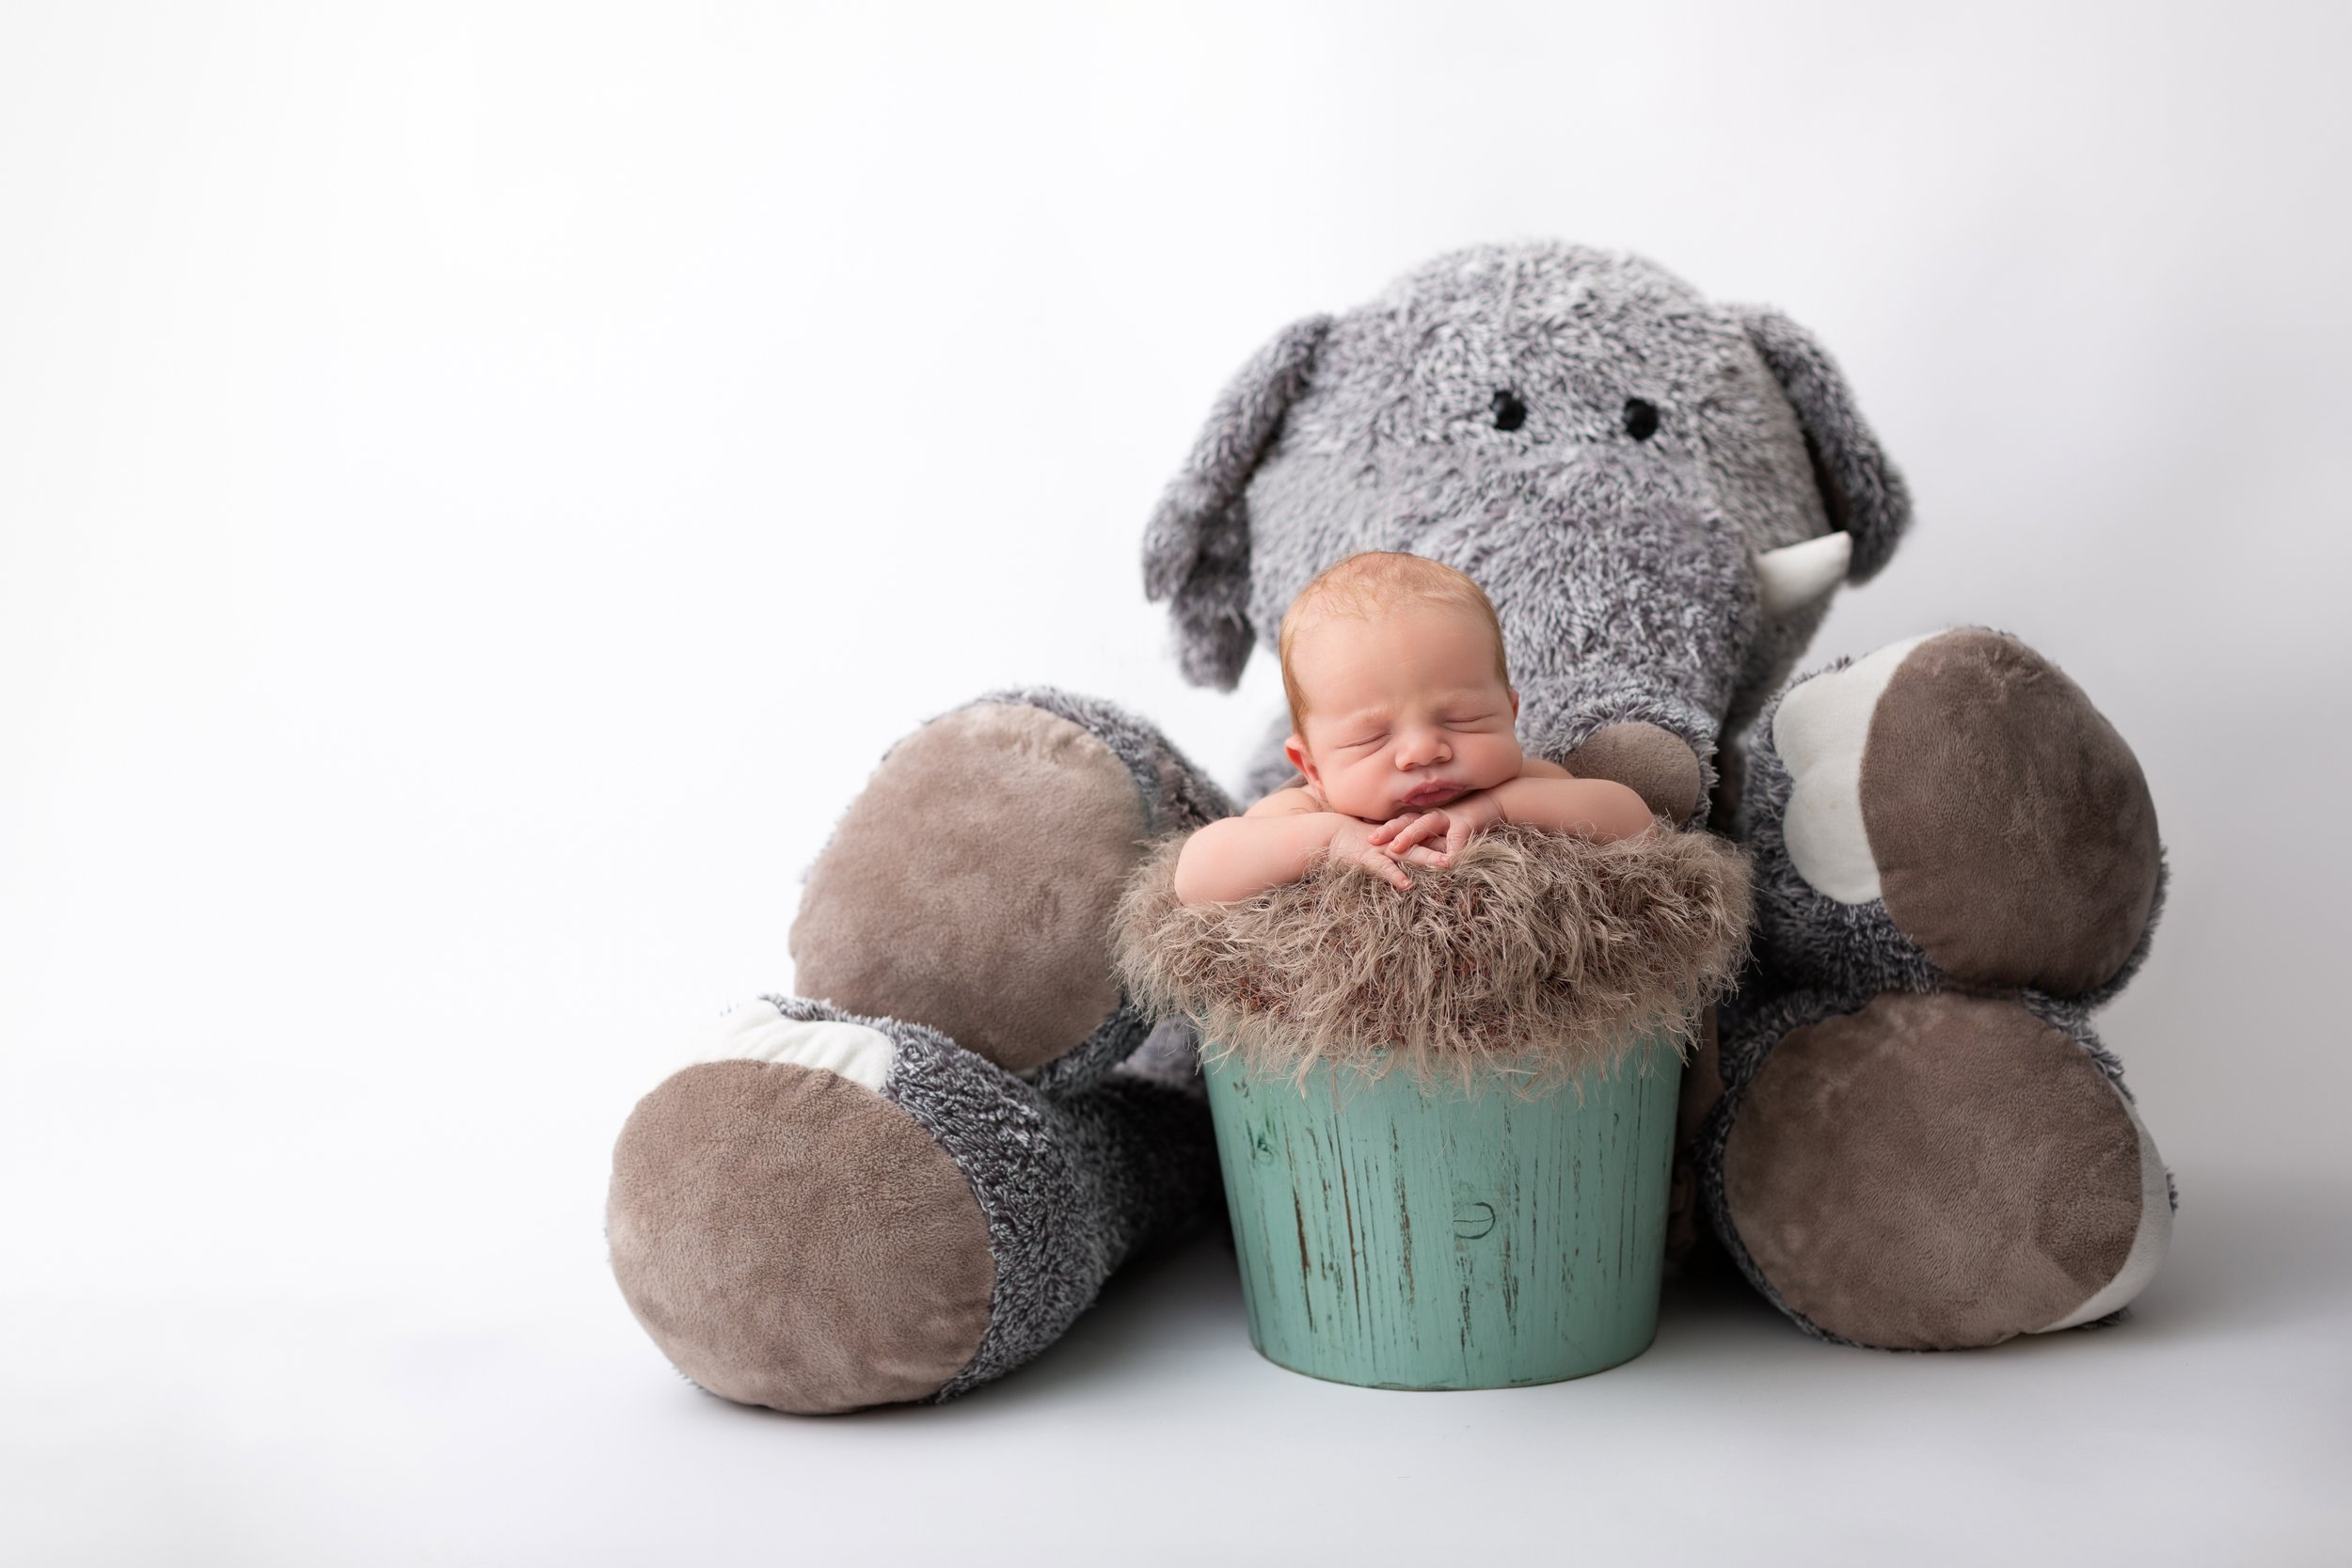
[(1796, 576)]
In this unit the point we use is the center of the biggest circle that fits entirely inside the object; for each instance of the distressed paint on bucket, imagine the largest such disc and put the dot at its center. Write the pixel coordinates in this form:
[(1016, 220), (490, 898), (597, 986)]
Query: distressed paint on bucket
[(1401, 1239)]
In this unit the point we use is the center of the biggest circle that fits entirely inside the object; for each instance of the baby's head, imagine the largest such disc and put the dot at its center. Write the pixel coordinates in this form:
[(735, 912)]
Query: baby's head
[(1400, 697)]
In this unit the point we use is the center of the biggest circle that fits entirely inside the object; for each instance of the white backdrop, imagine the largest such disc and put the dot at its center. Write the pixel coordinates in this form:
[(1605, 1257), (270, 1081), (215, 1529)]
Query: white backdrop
[(481, 487)]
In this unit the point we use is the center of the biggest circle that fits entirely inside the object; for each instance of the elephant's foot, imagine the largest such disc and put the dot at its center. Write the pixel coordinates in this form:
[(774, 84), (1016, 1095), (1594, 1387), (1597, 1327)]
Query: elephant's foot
[(791, 1238), (1658, 766), (970, 886), (1949, 809), (1601, 723), (1932, 1172), (825, 1211)]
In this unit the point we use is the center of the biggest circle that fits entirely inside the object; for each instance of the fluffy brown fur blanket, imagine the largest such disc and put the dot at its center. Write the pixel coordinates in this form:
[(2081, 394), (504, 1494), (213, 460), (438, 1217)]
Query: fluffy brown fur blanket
[(1536, 955)]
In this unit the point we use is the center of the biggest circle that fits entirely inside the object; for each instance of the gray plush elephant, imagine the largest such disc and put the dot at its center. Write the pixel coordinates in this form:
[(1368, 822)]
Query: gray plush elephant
[(1903, 1127), (1657, 493)]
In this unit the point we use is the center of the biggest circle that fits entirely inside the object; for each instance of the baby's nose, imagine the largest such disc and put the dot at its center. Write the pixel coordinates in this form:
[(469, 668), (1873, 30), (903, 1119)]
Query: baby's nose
[(1422, 748)]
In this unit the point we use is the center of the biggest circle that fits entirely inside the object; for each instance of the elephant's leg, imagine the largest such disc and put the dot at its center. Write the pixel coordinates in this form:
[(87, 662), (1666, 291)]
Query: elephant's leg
[(1918, 1145), (1950, 810), (970, 886), (1655, 764), (1932, 1172), (916, 1184), (828, 1211), (1601, 723)]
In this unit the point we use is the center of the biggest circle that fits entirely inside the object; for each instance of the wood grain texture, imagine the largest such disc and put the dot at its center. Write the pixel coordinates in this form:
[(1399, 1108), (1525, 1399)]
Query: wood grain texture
[(1397, 1239)]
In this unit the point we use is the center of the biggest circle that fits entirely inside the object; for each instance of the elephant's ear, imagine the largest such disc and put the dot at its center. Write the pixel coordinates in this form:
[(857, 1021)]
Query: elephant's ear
[(1196, 547), (1864, 493)]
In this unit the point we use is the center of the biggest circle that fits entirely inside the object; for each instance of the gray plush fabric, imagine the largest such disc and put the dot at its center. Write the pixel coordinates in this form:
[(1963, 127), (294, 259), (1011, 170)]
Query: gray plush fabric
[(1623, 566), (1174, 791), (1817, 959), (1805, 938), (1607, 453), (921, 888), (1170, 1056), (1646, 760), (1748, 1027), (1177, 795), (1864, 494), (1196, 547), (1753, 1017), (743, 1223), (2014, 834), (1121, 1037), (1071, 1187), (1753, 1023), (1932, 1171)]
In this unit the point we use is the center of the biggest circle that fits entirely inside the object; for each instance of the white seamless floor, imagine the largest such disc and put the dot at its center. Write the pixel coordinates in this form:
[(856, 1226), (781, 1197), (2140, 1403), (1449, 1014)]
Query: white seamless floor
[(2212, 1428)]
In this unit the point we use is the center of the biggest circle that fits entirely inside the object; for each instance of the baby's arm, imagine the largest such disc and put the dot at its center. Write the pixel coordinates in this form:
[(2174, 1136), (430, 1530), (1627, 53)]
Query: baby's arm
[(1545, 794), (1597, 809), (1274, 843)]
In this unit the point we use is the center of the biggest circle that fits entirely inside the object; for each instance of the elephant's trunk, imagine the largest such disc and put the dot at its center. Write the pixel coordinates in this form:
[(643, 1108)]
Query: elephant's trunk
[(1626, 595), (1561, 712)]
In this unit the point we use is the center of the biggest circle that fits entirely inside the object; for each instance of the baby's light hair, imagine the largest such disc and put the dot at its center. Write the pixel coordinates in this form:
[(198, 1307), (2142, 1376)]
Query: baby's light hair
[(1368, 583)]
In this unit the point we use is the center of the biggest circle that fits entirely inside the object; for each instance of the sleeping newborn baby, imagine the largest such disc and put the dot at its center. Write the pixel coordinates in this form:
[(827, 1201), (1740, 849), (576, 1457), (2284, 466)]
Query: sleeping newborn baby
[(1404, 733)]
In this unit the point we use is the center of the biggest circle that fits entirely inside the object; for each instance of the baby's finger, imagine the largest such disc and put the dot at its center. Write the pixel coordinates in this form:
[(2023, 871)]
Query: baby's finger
[(1380, 834), (1431, 821), (1426, 854), (1387, 868), (1456, 836)]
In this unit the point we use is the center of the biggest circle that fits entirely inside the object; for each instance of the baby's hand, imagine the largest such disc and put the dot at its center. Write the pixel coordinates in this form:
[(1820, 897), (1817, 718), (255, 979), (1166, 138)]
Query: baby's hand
[(1352, 841), (1461, 821)]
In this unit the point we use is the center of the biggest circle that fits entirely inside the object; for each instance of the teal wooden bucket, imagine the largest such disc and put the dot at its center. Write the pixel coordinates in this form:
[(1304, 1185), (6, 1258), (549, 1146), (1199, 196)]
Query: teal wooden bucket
[(1401, 1239)]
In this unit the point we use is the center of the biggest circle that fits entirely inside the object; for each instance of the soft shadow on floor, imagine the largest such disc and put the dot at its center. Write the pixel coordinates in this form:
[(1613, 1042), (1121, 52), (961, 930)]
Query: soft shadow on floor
[(2254, 1251), (2259, 1250), (1184, 1296), (1188, 1299), (1709, 1298), (1184, 1299)]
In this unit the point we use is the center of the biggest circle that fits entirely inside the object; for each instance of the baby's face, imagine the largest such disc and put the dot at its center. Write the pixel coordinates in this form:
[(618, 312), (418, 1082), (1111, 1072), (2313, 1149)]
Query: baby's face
[(1403, 711)]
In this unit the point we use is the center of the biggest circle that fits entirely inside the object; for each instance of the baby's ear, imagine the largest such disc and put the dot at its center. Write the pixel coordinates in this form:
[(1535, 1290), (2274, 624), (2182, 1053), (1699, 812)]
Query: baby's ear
[(1196, 550), (1295, 750)]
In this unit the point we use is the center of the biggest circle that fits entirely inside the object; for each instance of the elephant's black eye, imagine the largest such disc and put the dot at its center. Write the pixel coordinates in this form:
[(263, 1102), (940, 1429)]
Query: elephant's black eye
[(1510, 413), (1641, 419)]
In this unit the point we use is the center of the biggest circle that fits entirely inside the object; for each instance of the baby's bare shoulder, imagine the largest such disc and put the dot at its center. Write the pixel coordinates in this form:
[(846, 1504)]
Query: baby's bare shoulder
[(1284, 803)]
